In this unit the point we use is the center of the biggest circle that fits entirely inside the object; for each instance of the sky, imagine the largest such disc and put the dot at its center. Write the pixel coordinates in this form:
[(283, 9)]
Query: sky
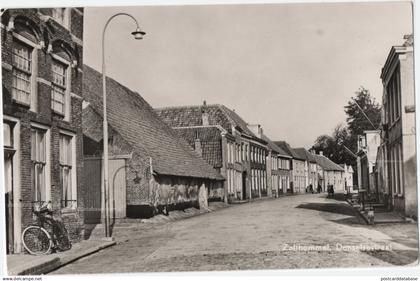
[(288, 67)]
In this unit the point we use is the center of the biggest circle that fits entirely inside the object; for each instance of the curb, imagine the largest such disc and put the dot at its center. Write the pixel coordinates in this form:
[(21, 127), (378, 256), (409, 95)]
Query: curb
[(364, 217), (57, 262), (72, 258), (356, 209), (37, 269)]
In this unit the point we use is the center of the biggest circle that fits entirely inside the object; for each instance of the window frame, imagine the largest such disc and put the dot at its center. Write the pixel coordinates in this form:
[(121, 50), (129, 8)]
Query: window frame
[(47, 166), (33, 46), (393, 100), (67, 89), (73, 152)]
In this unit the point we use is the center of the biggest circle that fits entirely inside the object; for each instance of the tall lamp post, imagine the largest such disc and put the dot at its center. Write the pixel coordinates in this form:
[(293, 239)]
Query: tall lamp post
[(138, 35)]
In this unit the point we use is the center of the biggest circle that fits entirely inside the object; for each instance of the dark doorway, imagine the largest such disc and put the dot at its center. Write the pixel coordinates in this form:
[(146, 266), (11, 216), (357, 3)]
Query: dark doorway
[(244, 195), (8, 178), (92, 178)]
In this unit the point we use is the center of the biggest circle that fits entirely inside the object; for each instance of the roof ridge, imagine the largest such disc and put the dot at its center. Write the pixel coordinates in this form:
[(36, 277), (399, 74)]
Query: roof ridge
[(185, 106), (114, 80), (223, 108), (246, 130), (109, 124)]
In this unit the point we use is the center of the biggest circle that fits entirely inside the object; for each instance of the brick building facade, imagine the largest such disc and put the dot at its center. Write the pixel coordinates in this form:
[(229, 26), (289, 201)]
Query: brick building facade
[(42, 52)]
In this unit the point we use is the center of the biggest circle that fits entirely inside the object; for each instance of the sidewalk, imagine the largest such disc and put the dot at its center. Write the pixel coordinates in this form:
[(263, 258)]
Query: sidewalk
[(25, 264), (380, 214)]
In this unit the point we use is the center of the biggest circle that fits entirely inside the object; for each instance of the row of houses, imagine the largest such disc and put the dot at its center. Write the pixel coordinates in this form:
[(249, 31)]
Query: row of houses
[(253, 165), (159, 159), (387, 155)]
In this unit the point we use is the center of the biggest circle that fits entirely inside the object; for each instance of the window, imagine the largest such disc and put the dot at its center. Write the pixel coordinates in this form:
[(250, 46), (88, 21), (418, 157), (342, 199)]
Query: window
[(22, 72), (238, 155), (228, 180), (62, 16), (8, 142), (7, 134), (258, 187), (39, 161), (394, 96), (252, 180), (228, 152), (232, 153), (264, 180), (246, 152), (59, 87), (67, 171)]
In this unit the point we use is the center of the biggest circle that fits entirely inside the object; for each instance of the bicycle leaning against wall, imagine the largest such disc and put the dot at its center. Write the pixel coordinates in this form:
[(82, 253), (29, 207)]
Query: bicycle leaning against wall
[(48, 234)]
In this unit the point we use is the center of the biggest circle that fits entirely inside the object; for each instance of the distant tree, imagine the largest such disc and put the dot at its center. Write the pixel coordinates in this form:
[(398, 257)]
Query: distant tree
[(356, 120), (334, 146), (343, 140), (363, 113), (324, 143)]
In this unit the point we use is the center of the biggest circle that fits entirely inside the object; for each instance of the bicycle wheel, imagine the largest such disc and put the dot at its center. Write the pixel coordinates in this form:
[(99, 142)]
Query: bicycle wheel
[(36, 240)]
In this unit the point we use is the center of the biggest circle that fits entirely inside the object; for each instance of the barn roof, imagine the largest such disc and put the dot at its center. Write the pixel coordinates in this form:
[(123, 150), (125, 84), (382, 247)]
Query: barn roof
[(136, 121)]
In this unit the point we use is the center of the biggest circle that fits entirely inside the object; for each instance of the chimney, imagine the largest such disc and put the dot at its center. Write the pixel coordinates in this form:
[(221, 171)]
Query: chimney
[(197, 145), (204, 114), (321, 153), (256, 129)]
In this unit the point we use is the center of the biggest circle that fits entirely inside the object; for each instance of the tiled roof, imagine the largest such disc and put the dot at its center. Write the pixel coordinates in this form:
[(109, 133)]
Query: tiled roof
[(326, 163), (288, 149), (136, 121), (237, 121), (275, 147), (210, 140), (187, 116), (303, 153)]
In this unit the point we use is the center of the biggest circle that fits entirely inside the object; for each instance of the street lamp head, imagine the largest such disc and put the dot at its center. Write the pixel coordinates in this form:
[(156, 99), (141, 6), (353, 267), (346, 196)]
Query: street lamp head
[(138, 34)]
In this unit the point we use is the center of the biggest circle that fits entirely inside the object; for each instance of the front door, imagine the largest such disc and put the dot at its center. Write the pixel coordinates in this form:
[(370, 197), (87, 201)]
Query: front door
[(8, 179), (92, 179), (117, 187), (244, 186)]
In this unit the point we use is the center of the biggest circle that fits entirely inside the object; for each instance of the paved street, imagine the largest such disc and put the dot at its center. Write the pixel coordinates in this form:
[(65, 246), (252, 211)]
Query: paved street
[(305, 231)]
